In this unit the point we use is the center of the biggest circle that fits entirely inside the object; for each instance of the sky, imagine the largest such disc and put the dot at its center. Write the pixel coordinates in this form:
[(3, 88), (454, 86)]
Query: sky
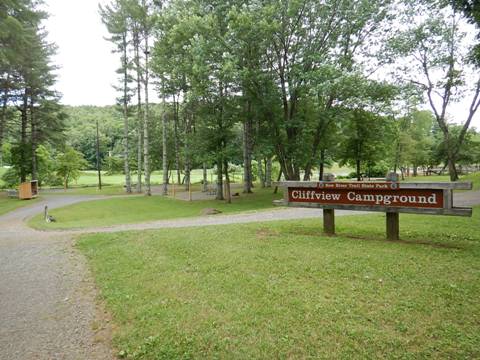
[(87, 64)]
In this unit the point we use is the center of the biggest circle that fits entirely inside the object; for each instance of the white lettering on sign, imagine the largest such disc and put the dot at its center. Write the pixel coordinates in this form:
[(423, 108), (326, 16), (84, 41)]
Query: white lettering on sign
[(383, 197), (389, 199)]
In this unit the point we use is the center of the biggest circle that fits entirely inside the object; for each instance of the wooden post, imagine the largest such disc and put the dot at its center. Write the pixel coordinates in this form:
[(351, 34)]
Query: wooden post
[(329, 221), (329, 214), (393, 226), (174, 190), (393, 218), (189, 192)]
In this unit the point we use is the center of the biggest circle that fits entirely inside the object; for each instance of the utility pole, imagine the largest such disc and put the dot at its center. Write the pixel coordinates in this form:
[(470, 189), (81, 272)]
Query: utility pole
[(98, 161)]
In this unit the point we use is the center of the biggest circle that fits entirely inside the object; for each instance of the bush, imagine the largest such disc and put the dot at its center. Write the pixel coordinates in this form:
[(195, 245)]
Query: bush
[(353, 175), (378, 170), (113, 165), (11, 178)]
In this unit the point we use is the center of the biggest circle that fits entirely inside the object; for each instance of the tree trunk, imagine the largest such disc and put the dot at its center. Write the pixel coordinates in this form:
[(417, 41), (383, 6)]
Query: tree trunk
[(205, 180), (358, 161), (136, 44), (98, 160), (146, 143), (33, 137), (23, 138), (219, 178), (261, 176), (126, 166), (176, 105), (164, 145), (227, 182), (359, 178), (268, 173), (3, 120), (247, 151), (278, 179), (187, 152), (322, 165), (452, 169)]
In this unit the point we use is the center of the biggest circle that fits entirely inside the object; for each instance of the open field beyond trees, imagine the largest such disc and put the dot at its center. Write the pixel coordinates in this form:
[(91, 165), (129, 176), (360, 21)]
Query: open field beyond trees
[(282, 290)]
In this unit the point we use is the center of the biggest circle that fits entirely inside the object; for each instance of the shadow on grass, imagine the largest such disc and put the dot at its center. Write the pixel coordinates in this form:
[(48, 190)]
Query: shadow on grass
[(411, 240)]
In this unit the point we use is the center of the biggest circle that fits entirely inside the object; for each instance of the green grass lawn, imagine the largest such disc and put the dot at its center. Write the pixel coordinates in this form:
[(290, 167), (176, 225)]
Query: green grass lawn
[(90, 190), (474, 178), (91, 177), (8, 204), (140, 208), (112, 190), (282, 290)]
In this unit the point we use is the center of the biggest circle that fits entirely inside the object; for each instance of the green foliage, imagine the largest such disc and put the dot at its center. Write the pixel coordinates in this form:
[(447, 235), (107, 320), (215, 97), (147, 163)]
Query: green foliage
[(47, 174), (365, 141), (69, 164), (112, 165), (10, 178), (81, 131)]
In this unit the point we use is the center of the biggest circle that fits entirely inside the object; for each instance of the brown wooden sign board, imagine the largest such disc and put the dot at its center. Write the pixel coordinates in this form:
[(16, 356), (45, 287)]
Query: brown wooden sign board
[(390, 197)]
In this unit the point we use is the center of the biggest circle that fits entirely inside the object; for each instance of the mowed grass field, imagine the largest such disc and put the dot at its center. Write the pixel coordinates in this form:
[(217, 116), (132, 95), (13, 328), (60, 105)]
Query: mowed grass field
[(134, 209), (90, 178), (283, 290)]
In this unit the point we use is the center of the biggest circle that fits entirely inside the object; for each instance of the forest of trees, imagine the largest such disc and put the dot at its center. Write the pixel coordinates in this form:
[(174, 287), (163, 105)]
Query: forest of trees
[(278, 87)]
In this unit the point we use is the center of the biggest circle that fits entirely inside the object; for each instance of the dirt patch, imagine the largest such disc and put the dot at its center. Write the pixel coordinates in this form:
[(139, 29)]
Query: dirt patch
[(210, 211), (266, 233)]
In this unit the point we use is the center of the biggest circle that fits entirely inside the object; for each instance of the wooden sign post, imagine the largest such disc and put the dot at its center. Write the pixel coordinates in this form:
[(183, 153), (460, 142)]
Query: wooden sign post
[(390, 197), (329, 214)]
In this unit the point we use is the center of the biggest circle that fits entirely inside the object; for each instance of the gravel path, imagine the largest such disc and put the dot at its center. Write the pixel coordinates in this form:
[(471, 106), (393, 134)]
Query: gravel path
[(48, 307), (48, 300)]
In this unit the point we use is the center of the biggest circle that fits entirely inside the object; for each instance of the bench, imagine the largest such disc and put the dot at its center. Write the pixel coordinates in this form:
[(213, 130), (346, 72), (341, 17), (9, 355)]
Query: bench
[(212, 190), (12, 193)]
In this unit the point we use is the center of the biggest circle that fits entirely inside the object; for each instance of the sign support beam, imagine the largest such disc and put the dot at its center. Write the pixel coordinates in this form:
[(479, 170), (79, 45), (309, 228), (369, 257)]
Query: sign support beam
[(328, 214), (393, 226), (329, 221)]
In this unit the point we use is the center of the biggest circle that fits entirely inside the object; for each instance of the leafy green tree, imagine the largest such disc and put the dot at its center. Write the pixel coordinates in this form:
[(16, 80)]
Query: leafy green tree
[(69, 165), (433, 46), (366, 140)]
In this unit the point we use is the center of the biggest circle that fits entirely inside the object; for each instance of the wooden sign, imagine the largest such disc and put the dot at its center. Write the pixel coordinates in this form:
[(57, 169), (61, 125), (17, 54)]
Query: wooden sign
[(389, 197), (416, 198), (425, 198)]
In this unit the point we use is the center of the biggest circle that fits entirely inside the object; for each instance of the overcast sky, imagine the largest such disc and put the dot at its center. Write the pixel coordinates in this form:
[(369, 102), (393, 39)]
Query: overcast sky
[(87, 64)]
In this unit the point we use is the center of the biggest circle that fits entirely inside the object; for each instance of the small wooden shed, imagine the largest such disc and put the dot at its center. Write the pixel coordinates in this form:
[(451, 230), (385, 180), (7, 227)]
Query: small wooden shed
[(28, 190)]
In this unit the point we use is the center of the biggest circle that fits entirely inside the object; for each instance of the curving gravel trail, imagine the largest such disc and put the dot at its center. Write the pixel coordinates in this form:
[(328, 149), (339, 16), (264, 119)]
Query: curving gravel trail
[(48, 300)]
